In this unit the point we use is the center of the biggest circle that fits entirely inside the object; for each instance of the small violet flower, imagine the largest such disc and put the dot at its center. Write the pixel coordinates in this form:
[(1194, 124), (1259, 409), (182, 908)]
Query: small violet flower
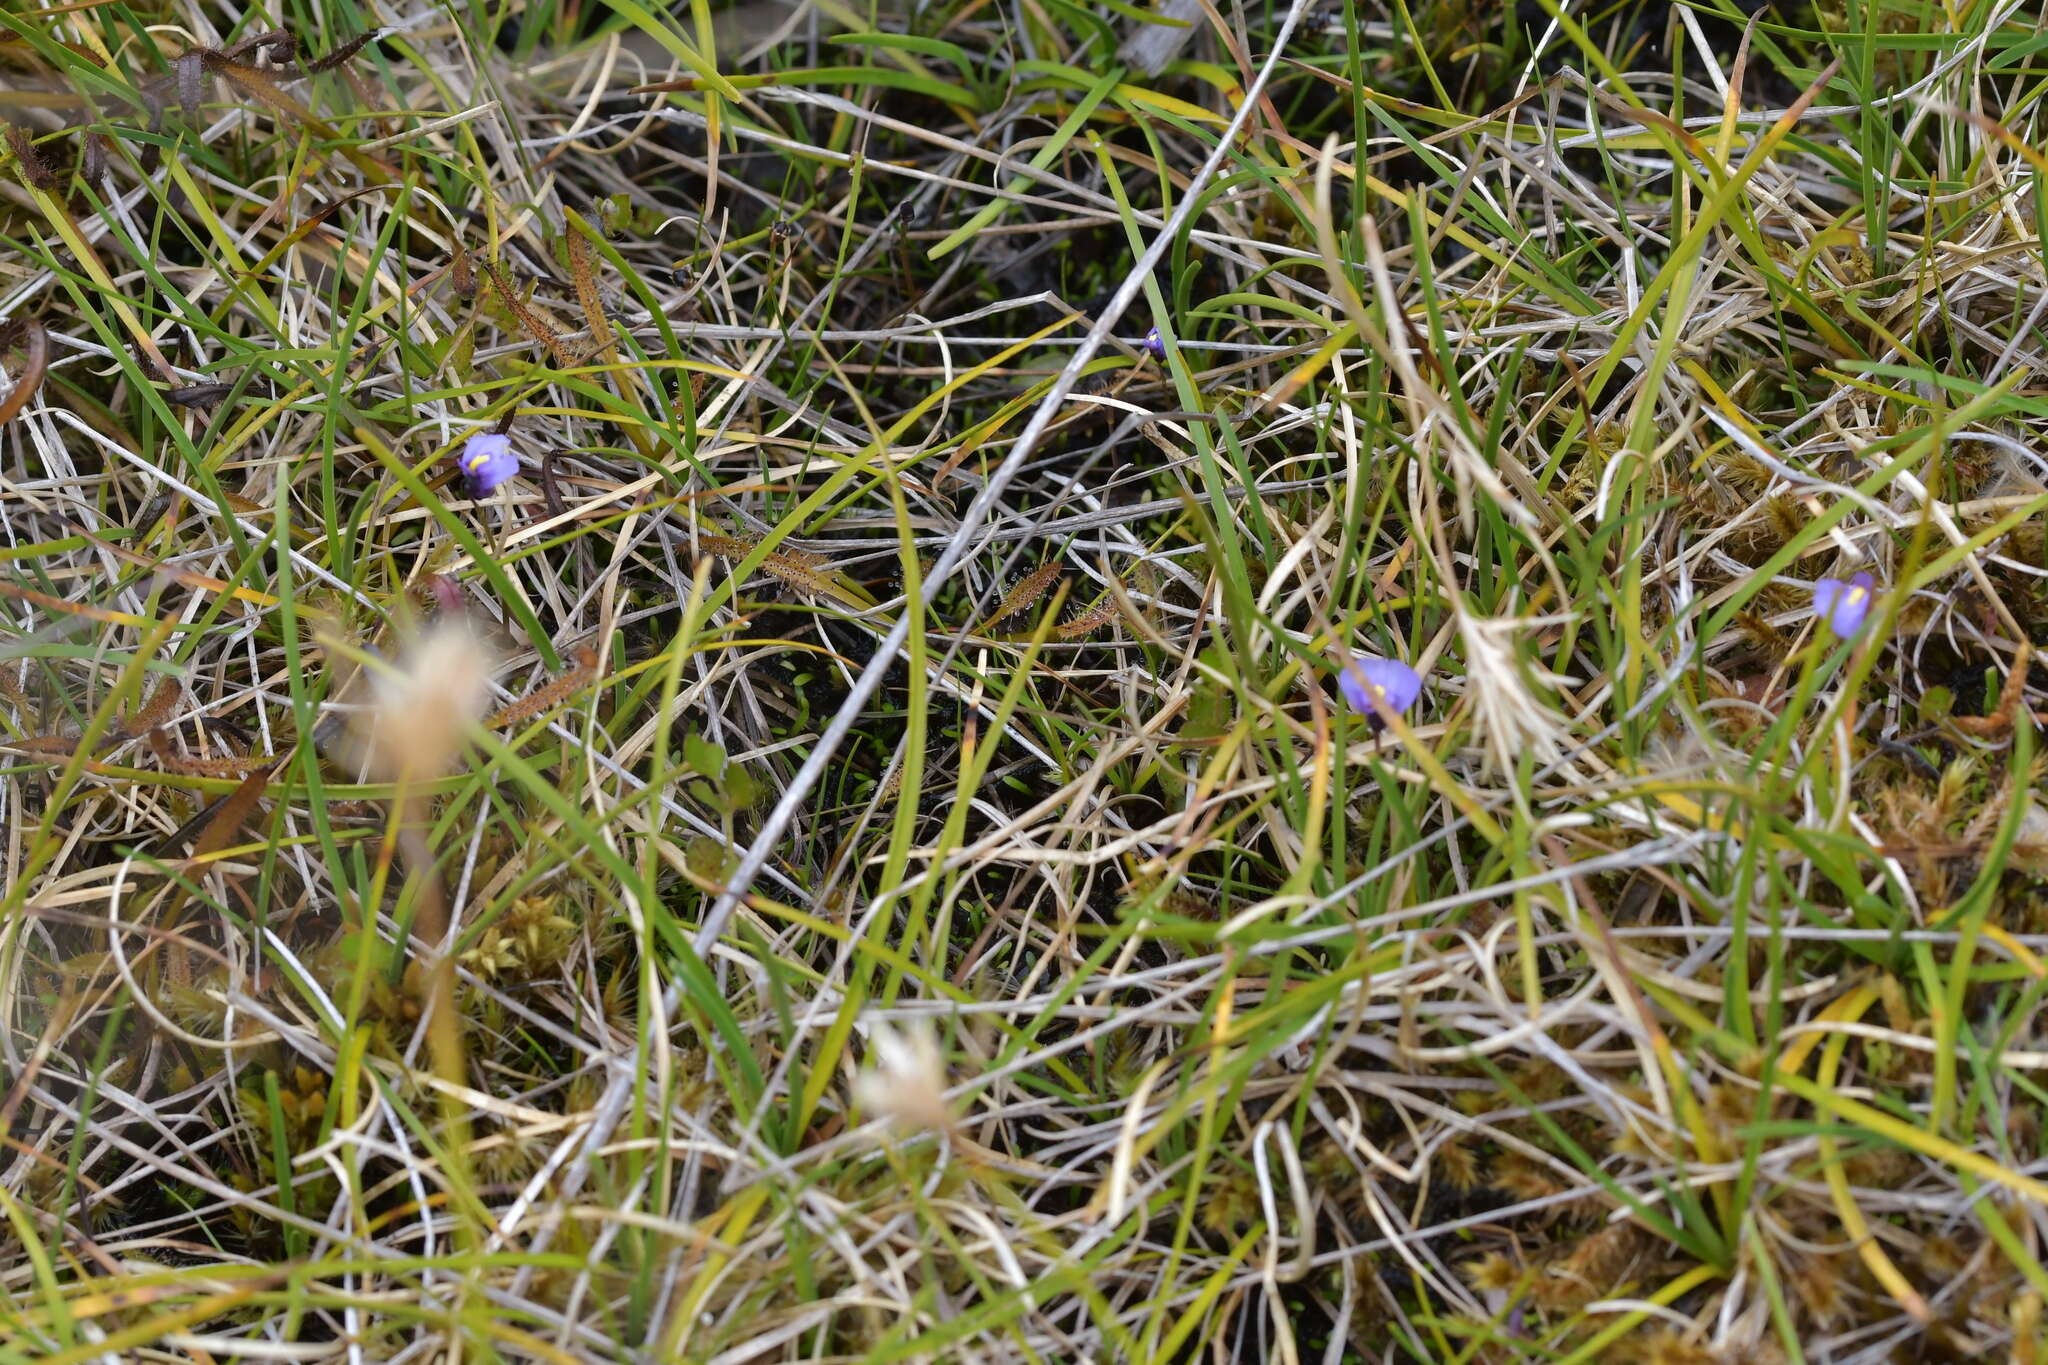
[(488, 461), (1156, 344), (1844, 605), (1389, 682)]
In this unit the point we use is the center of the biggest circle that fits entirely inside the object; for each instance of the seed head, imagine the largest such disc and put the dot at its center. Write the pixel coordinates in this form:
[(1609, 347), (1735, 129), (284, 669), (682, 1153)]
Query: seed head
[(425, 705), (1508, 716), (904, 1080)]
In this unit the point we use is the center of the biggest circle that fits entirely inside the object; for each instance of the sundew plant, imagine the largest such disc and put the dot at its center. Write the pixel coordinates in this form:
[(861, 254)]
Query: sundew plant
[(1023, 681)]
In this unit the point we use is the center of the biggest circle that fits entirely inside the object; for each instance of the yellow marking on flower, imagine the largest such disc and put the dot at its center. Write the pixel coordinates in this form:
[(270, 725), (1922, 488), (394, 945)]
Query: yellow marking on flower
[(1854, 595)]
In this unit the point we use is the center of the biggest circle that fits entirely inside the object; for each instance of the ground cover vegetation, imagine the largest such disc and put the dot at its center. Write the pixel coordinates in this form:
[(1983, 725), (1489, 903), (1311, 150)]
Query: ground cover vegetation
[(1019, 680)]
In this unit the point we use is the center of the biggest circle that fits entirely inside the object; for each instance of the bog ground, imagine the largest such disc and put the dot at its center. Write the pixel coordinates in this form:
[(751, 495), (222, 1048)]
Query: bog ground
[(1205, 684)]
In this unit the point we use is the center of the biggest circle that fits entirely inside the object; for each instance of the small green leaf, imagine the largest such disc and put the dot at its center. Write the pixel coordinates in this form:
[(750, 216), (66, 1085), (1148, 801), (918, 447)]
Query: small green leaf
[(703, 756), (708, 858), (741, 789)]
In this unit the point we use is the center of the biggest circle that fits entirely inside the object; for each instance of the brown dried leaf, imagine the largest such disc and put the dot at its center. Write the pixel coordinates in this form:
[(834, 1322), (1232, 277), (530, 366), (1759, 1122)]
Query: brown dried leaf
[(34, 169), (190, 70), (35, 345), (198, 395), (1999, 722), (92, 158)]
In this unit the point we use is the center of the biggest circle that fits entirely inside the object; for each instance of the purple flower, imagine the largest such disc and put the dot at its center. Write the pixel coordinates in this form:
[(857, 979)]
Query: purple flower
[(1389, 682), (1155, 344), (1844, 605), (488, 461)]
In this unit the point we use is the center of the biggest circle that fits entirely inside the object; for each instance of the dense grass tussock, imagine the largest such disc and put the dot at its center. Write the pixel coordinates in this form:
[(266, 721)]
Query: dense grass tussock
[(1336, 683)]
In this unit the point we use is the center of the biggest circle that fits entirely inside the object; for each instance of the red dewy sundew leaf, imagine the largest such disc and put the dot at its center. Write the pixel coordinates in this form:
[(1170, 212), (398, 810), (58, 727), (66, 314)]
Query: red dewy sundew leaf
[(535, 325), (585, 669), (1028, 590)]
